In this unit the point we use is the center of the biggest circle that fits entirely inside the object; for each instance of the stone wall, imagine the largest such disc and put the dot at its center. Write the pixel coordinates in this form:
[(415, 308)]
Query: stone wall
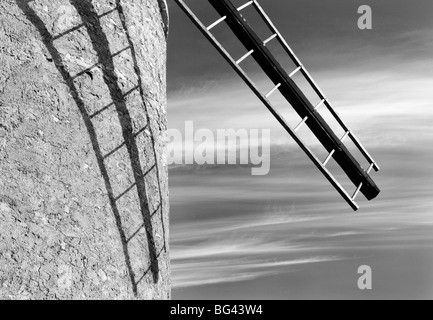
[(83, 180)]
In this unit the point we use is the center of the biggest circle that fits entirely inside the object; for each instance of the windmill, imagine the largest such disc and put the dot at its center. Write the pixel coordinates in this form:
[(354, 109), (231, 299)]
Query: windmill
[(256, 48)]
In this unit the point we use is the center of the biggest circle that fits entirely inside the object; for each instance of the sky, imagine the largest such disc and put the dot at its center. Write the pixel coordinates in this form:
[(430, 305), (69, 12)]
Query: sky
[(289, 235)]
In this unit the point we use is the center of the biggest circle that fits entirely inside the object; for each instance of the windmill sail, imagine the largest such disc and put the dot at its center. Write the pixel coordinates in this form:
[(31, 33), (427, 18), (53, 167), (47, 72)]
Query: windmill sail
[(256, 49)]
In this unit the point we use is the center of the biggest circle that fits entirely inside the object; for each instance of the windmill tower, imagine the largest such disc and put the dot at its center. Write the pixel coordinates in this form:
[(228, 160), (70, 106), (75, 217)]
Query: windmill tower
[(257, 49), (83, 184)]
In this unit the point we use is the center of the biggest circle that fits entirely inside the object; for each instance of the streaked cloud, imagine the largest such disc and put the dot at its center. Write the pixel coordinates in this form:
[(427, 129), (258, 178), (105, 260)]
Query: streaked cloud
[(234, 270), (230, 228)]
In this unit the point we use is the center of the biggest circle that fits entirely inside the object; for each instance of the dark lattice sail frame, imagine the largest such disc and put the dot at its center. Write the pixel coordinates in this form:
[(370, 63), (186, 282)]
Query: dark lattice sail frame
[(256, 49)]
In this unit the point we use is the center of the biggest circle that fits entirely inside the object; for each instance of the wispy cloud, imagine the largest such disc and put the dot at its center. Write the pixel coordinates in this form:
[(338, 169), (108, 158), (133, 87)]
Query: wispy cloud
[(232, 250), (293, 216), (214, 272), (230, 227)]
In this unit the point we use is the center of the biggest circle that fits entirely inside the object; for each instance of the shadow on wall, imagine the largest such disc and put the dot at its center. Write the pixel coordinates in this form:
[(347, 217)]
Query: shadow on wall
[(91, 21), (163, 8)]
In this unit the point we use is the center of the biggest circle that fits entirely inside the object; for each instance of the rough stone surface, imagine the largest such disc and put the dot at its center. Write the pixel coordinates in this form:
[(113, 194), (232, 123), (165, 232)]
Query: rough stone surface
[(83, 182)]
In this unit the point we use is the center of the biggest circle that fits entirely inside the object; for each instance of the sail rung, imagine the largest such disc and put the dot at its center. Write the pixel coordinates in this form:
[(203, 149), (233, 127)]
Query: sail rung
[(319, 104), (357, 191), (273, 90), (295, 71), (245, 56), (345, 136), (242, 7), (300, 124), (328, 158), (270, 38), (213, 25)]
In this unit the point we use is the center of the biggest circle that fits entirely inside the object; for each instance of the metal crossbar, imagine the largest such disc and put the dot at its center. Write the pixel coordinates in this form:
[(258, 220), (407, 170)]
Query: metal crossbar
[(283, 82), (313, 84)]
